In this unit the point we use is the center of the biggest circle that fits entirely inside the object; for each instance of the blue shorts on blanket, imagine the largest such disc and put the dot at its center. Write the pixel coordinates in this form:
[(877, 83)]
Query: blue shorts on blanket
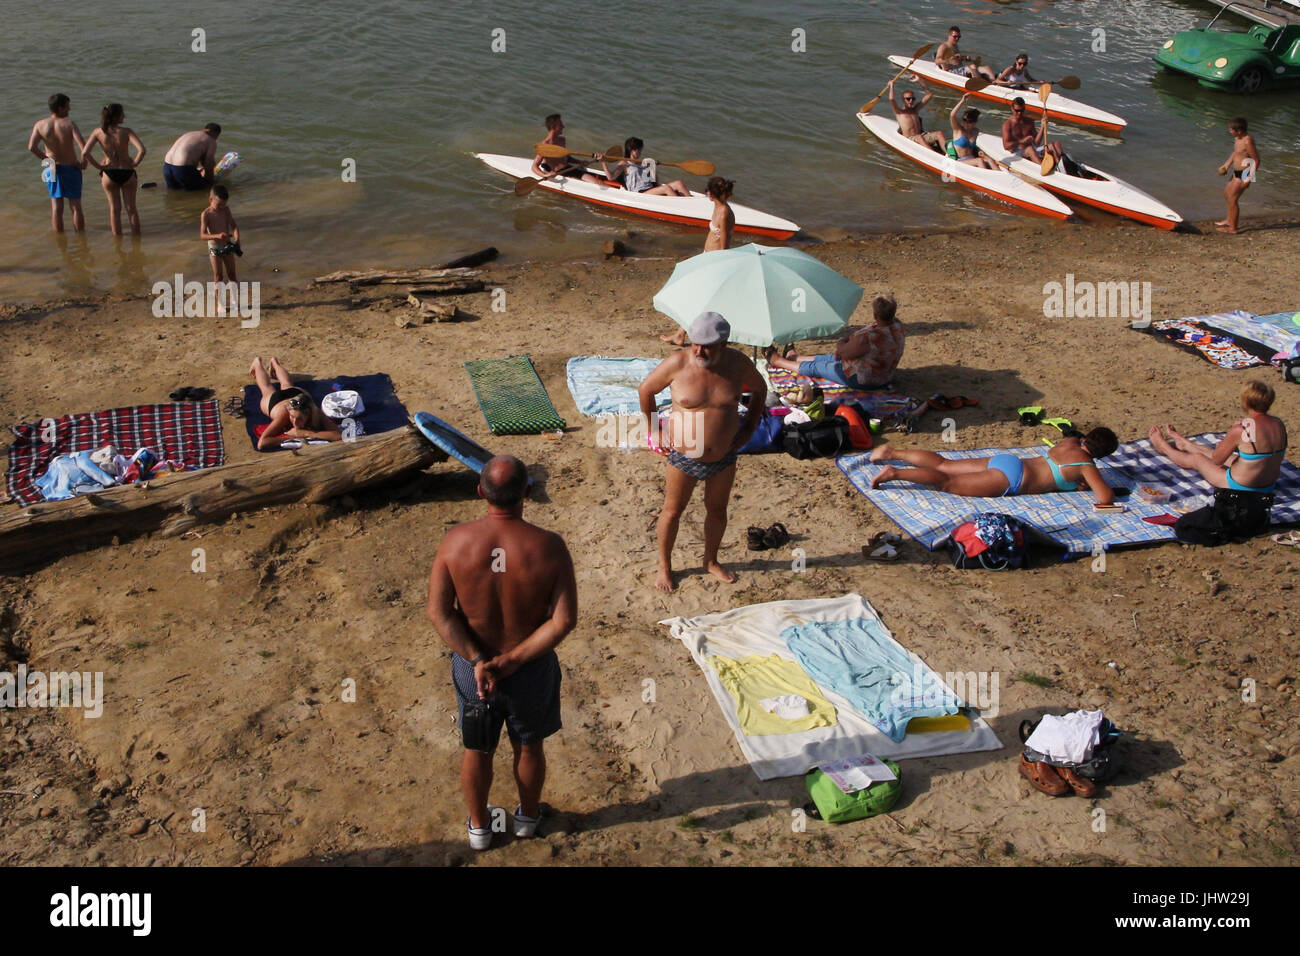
[(858, 660)]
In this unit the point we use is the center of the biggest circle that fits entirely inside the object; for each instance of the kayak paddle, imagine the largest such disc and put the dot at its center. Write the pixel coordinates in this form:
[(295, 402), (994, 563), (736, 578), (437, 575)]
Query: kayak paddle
[(1049, 160), (920, 52), (696, 167), (1065, 83)]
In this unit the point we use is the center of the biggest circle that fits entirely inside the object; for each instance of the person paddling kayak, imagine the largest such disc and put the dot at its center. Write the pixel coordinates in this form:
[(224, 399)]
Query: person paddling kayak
[(1021, 135), (568, 166), (638, 175), (954, 61), (965, 132), (909, 120)]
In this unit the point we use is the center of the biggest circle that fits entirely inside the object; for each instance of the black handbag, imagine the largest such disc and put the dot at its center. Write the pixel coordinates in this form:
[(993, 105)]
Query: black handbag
[(824, 438)]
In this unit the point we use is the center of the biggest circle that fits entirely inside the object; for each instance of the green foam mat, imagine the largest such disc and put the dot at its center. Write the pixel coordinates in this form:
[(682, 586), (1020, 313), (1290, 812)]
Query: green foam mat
[(512, 397)]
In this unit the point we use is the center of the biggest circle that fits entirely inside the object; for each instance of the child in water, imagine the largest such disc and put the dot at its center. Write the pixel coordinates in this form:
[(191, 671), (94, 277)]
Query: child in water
[(217, 226)]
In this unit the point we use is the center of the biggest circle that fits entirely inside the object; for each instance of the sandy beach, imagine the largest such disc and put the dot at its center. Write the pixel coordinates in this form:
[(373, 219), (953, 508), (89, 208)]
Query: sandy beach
[(223, 694)]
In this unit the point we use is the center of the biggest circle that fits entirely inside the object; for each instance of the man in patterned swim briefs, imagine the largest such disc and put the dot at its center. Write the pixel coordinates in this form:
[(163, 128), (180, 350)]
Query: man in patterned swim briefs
[(707, 381)]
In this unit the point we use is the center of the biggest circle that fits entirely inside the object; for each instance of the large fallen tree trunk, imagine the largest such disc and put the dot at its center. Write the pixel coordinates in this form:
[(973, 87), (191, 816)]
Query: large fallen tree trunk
[(473, 259), (177, 503)]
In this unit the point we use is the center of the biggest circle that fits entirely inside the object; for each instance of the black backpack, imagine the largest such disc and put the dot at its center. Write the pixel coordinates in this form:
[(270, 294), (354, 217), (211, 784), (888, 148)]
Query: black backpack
[(1008, 543), (824, 438)]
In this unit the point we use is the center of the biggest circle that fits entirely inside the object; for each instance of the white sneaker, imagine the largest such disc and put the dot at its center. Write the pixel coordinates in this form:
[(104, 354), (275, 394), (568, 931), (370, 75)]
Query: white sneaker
[(526, 827), (480, 838)]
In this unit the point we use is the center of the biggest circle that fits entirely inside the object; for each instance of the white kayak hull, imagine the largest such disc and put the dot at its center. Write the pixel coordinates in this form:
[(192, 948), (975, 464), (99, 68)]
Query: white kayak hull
[(693, 210), (1109, 192), (1058, 107), (997, 183)]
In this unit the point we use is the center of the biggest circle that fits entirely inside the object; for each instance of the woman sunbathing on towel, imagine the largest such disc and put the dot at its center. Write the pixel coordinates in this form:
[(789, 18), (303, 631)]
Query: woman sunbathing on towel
[(1065, 466), (294, 416)]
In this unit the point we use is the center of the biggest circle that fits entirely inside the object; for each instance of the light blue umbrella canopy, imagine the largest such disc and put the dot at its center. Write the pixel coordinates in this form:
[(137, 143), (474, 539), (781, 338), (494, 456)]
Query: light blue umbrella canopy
[(769, 295)]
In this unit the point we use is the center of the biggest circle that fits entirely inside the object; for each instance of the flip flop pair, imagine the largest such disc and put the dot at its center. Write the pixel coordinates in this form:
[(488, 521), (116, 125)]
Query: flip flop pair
[(881, 547), (190, 393)]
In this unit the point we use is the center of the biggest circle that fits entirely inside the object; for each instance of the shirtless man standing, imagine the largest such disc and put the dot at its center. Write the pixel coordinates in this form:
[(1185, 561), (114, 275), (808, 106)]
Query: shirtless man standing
[(1243, 164), (502, 595), (954, 61), (707, 381), (62, 158), (909, 119), (192, 150)]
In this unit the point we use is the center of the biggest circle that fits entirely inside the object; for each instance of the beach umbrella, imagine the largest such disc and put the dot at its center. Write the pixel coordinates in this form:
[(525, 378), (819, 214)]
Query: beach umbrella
[(768, 294)]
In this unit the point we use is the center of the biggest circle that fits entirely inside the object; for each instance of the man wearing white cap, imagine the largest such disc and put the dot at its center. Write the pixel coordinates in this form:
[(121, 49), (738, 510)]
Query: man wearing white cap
[(708, 381)]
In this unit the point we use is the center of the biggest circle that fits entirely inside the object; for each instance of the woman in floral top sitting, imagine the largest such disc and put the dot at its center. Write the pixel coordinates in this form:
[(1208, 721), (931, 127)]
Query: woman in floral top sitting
[(866, 359)]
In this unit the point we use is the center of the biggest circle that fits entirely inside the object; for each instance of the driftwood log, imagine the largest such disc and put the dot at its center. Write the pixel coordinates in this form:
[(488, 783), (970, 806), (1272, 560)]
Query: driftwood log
[(177, 503), (430, 281), (473, 258), (428, 310)]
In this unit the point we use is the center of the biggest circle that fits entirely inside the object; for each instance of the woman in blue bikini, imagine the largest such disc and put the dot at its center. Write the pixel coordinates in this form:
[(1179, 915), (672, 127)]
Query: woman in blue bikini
[(1005, 473), (1258, 468), (965, 131)]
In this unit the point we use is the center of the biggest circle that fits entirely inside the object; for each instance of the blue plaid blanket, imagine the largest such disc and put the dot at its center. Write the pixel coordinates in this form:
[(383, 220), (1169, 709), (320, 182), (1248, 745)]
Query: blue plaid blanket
[(608, 386), (1067, 518)]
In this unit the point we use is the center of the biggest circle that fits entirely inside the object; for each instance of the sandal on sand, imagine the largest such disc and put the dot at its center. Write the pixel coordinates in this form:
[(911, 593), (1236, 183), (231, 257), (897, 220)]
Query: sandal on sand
[(951, 403), (755, 536), (1043, 778), (884, 552), (775, 536), (884, 537), (1080, 785), (1291, 538)]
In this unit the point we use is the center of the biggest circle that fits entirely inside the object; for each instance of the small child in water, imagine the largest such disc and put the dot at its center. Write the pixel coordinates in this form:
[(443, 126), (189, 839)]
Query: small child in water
[(217, 226)]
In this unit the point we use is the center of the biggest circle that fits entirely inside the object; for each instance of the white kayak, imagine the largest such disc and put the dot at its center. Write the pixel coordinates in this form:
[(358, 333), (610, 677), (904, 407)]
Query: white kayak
[(1094, 187), (693, 210), (997, 183), (1058, 107)]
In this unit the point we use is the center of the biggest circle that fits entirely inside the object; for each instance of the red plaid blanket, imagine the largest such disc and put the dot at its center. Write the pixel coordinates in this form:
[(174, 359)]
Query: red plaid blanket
[(180, 431)]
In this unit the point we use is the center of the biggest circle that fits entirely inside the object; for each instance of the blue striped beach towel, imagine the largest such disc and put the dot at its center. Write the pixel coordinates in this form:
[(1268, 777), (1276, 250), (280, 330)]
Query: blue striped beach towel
[(1067, 518)]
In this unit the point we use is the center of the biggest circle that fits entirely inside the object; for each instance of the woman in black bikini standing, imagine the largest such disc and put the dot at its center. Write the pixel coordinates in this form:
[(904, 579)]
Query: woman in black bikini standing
[(292, 412), (117, 173)]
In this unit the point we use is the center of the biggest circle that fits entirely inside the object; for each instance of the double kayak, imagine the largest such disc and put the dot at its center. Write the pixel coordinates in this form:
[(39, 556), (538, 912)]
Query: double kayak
[(1058, 107), (997, 183), (693, 210), (1091, 186)]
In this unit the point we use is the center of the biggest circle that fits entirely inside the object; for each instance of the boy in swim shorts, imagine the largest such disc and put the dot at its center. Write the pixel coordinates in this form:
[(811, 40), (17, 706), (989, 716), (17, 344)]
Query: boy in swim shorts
[(217, 226)]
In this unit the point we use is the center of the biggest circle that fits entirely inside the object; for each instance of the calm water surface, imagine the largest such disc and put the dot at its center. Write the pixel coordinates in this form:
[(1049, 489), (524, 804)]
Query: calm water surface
[(409, 90)]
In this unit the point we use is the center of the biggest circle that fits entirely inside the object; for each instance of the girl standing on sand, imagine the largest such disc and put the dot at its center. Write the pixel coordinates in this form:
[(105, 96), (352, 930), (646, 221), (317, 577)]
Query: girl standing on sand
[(723, 220), (721, 225), (117, 174)]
